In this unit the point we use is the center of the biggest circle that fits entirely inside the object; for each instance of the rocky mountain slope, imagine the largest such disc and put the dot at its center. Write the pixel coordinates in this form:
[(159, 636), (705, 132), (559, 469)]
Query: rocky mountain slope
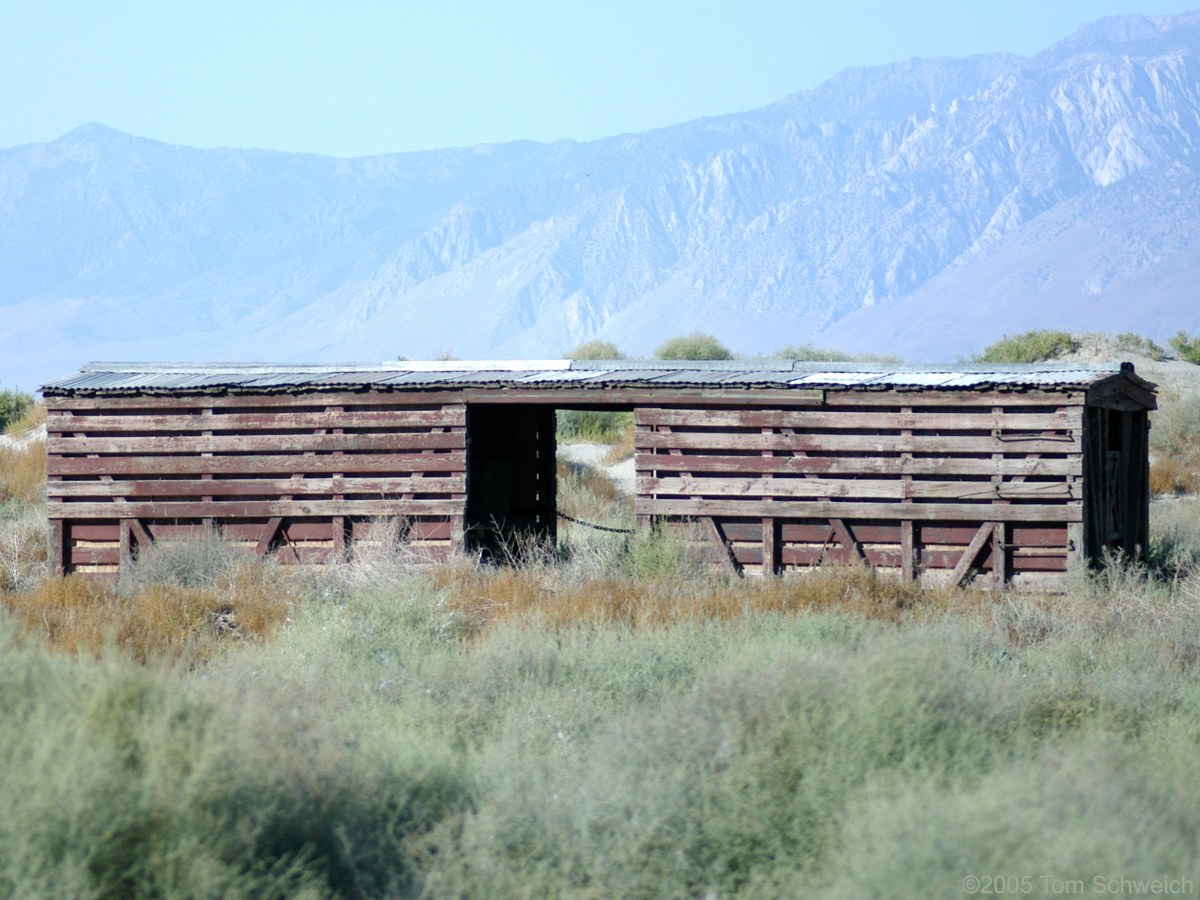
[(919, 209)]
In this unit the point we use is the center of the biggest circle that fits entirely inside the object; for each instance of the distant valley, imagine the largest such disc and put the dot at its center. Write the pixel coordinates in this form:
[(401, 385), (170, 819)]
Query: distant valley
[(920, 209)]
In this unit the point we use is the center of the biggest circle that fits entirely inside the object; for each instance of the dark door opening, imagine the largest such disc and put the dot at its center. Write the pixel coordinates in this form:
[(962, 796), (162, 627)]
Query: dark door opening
[(511, 491)]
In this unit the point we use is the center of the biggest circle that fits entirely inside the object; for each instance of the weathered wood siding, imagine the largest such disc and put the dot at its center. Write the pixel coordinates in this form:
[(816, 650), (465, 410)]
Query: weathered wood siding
[(926, 484), (301, 476)]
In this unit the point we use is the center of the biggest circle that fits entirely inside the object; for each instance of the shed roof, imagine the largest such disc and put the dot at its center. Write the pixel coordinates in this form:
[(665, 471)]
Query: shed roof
[(168, 378)]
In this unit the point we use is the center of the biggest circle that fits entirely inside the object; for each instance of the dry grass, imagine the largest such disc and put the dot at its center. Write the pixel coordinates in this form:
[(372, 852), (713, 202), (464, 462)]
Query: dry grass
[(155, 621), (542, 593), (34, 417), (621, 448), (1173, 477), (22, 473)]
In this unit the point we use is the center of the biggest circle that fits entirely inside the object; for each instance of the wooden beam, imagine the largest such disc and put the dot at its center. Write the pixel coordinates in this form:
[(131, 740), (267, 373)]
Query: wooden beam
[(246, 464), (889, 419), (770, 547), (907, 551), (259, 487), (270, 530), (258, 443), (714, 534), (971, 554), (846, 538), (870, 443), (946, 466), (1067, 511)]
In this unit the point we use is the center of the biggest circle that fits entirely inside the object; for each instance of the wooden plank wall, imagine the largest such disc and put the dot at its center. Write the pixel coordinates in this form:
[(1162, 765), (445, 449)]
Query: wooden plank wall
[(928, 485), (300, 476)]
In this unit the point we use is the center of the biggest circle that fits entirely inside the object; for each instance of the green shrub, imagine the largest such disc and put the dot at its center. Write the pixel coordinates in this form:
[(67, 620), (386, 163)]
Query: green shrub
[(602, 427), (694, 346), (809, 353), (13, 406), (1187, 346), (1029, 347), (1128, 342), (595, 350)]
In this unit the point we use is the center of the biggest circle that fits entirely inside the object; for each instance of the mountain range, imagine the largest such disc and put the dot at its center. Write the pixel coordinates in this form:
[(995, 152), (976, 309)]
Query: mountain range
[(920, 209)]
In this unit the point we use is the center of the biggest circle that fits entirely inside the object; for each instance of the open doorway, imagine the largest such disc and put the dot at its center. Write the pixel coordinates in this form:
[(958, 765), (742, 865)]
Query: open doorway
[(511, 488)]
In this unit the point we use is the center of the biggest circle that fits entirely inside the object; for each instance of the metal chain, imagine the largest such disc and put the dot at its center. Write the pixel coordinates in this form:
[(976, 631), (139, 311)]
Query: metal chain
[(563, 515)]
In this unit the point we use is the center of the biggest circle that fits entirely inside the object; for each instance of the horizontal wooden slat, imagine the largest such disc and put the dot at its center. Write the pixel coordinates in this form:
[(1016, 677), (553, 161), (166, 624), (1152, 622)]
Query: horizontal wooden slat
[(94, 556), (889, 419), (857, 465), (1006, 398), (854, 488), (883, 557), (950, 443), (63, 509), (1022, 538), (400, 417), (1070, 511), (274, 443), (258, 487), (300, 464), (282, 400)]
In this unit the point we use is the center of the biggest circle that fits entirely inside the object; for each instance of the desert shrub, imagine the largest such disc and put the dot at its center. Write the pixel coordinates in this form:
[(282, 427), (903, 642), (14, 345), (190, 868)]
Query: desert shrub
[(694, 346), (1029, 347), (200, 560), (13, 406), (1175, 432), (1174, 550), (596, 349), (24, 535), (1187, 346), (125, 781)]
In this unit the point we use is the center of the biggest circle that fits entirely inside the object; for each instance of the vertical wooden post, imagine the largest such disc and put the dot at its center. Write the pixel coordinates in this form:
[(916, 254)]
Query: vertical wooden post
[(770, 548), (458, 534), (908, 551), (1000, 553), (59, 551), (126, 545), (1075, 548)]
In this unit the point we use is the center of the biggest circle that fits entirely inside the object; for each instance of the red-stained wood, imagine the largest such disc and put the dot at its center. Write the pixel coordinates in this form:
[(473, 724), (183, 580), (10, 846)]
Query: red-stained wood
[(257, 508), (857, 465), (853, 488), (894, 420), (246, 464), (881, 557), (971, 554), (251, 487), (1070, 511), (399, 417), (312, 400), (272, 443), (947, 444)]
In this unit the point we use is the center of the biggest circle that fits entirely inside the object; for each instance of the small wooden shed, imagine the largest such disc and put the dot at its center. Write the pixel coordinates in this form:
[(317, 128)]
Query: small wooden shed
[(1008, 473)]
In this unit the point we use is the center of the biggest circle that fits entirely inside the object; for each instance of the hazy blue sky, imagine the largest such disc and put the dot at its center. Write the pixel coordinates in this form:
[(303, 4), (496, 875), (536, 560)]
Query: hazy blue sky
[(352, 78)]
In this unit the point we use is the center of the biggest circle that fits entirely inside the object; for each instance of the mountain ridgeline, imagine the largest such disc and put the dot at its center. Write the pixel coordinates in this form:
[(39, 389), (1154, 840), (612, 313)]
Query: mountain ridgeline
[(920, 209)]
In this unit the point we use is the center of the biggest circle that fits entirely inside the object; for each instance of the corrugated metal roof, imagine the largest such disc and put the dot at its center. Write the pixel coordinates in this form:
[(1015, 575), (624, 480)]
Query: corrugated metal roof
[(102, 378)]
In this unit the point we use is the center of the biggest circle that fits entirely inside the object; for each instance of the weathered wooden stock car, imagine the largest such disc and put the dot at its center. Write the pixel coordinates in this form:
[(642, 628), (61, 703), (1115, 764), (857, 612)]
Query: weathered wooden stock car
[(1007, 473)]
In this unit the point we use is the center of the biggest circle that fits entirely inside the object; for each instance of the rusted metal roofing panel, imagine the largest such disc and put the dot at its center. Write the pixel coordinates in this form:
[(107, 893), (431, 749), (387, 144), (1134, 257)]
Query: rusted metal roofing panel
[(165, 377)]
